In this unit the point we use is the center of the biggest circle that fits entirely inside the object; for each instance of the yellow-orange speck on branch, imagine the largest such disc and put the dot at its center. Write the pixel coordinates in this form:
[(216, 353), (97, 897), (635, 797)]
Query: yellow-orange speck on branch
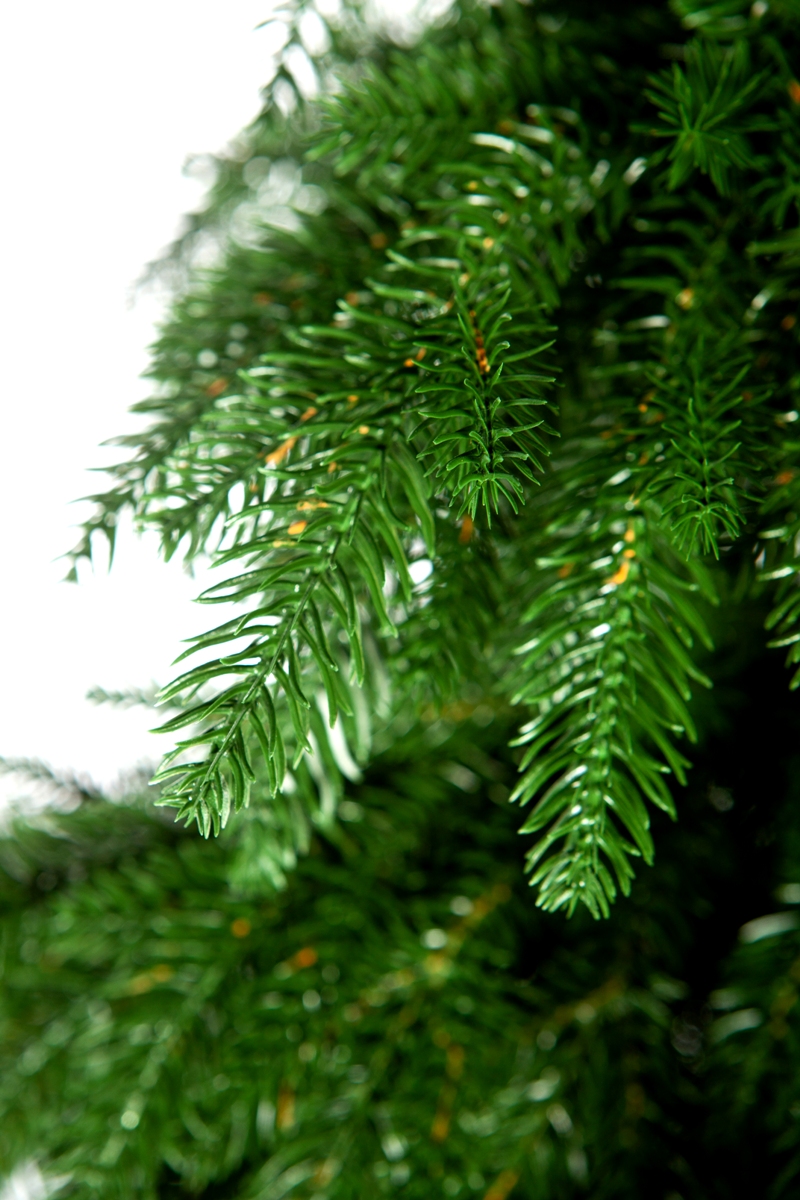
[(276, 457), (455, 1061), (160, 973), (441, 1126), (216, 388), (303, 958), (284, 1117), (501, 1187), (480, 350), (621, 574)]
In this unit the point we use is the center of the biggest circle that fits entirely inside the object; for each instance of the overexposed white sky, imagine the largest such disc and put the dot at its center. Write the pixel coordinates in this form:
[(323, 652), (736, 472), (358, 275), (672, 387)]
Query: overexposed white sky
[(101, 105)]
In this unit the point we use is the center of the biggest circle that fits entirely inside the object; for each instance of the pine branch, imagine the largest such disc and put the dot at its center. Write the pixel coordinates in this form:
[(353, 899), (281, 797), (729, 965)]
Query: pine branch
[(287, 116), (343, 462), (392, 122), (318, 458), (151, 1003), (704, 482), (233, 298), (63, 786), (285, 625), (606, 668), (702, 114), (778, 553), (697, 427)]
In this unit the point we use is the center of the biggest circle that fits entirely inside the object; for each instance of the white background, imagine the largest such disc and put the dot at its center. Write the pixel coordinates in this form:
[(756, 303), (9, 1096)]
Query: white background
[(100, 105)]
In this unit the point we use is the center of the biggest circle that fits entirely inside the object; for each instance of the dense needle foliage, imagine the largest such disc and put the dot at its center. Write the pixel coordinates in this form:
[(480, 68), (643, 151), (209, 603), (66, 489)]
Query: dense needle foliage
[(484, 412)]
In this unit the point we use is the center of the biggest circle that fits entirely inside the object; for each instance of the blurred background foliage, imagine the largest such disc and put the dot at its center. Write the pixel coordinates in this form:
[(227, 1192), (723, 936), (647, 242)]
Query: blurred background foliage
[(399, 1017)]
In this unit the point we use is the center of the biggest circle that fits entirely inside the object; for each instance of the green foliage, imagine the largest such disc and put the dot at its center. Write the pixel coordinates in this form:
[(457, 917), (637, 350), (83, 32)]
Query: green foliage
[(358, 413), (697, 483), (485, 415), (702, 108), (193, 1030), (397, 1018), (778, 558), (371, 1027), (607, 672)]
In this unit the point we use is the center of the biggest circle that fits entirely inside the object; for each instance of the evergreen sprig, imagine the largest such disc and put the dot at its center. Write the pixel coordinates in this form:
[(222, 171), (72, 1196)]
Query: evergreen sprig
[(373, 1025), (605, 669), (703, 107), (337, 485), (697, 481)]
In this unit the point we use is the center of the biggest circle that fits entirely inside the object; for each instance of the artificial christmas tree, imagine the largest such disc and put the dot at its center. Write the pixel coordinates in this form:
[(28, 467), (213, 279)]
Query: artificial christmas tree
[(485, 413)]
